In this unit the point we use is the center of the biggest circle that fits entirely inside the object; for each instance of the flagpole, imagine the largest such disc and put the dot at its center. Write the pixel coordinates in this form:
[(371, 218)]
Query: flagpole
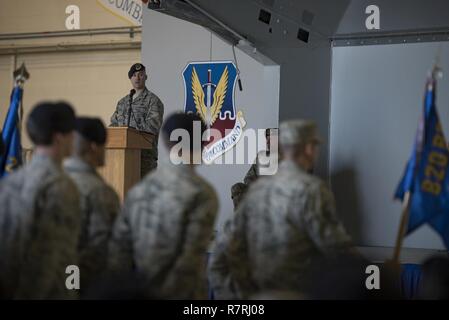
[(435, 74), (402, 227)]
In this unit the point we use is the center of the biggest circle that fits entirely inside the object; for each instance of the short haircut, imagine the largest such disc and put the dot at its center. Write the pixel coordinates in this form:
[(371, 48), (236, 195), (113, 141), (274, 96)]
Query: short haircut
[(91, 129), (185, 121), (47, 119)]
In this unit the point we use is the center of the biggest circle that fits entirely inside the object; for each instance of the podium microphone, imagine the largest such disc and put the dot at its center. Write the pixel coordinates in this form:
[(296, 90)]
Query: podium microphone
[(131, 94)]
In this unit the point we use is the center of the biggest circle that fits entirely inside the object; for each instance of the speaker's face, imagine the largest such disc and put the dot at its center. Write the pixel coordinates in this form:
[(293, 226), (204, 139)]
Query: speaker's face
[(138, 80)]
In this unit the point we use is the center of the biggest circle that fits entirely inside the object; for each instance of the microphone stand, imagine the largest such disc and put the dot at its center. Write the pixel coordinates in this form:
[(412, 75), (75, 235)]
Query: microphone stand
[(131, 94)]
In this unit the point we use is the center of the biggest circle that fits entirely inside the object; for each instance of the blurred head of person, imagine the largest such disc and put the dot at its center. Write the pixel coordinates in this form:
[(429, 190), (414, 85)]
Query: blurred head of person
[(50, 127), (182, 134), (434, 282), (299, 142), (90, 140), (138, 76)]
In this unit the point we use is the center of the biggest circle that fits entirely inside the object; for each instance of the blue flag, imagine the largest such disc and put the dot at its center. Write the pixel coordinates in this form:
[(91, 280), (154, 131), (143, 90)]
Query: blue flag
[(427, 174), (12, 158)]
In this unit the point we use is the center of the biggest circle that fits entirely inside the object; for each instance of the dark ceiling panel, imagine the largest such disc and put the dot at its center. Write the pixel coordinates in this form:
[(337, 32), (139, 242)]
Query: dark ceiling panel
[(306, 23)]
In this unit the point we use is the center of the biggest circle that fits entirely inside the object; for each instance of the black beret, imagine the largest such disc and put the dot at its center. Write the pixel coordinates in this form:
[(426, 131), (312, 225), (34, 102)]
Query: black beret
[(91, 129), (56, 117), (134, 68)]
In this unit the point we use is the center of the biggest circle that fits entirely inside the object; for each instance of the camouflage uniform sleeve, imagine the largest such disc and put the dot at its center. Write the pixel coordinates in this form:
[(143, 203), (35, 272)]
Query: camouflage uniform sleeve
[(237, 253), (154, 117), (121, 255), (104, 208), (218, 269), (251, 175), (116, 117), (238, 190), (321, 222), (201, 218), (53, 244)]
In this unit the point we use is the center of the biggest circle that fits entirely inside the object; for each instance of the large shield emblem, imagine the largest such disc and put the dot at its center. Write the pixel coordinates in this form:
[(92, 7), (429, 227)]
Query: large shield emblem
[(209, 92)]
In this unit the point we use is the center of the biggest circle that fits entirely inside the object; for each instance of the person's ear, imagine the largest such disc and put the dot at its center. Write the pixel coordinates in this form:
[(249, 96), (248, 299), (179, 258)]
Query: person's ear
[(58, 138), (96, 148), (308, 149)]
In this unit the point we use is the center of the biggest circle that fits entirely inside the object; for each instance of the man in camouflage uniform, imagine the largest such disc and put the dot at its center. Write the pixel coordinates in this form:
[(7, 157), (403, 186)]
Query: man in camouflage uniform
[(284, 222), (167, 222), (147, 112), (239, 189), (99, 204), (39, 215)]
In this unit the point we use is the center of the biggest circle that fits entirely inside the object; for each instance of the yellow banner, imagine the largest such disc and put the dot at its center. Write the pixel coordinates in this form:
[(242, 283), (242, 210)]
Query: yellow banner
[(130, 10)]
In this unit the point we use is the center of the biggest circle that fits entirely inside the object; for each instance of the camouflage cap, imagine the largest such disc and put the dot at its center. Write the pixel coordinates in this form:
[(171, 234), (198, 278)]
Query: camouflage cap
[(298, 131)]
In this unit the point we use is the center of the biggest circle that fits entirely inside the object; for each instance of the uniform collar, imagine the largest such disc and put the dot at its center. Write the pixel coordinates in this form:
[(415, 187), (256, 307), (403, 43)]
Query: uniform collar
[(289, 165), (180, 169), (75, 164), (41, 160), (138, 93), (143, 94)]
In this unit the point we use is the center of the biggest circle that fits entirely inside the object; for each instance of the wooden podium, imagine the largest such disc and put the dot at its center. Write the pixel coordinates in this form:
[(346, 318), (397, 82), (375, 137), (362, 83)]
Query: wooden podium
[(122, 158)]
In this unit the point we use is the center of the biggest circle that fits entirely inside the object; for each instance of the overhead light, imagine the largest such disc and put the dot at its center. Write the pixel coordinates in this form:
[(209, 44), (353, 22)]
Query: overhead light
[(154, 4), (303, 35), (264, 16)]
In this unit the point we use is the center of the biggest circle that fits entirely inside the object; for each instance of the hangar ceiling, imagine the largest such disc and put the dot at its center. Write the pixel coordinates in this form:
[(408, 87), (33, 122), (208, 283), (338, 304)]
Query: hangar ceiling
[(308, 23)]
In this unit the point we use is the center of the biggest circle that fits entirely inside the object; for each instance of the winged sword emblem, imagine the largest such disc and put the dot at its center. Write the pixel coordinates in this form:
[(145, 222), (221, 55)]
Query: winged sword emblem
[(209, 92), (209, 109)]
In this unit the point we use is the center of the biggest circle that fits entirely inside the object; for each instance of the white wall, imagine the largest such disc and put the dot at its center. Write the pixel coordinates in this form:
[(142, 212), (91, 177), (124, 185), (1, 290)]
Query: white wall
[(377, 101), (168, 45), (304, 93)]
